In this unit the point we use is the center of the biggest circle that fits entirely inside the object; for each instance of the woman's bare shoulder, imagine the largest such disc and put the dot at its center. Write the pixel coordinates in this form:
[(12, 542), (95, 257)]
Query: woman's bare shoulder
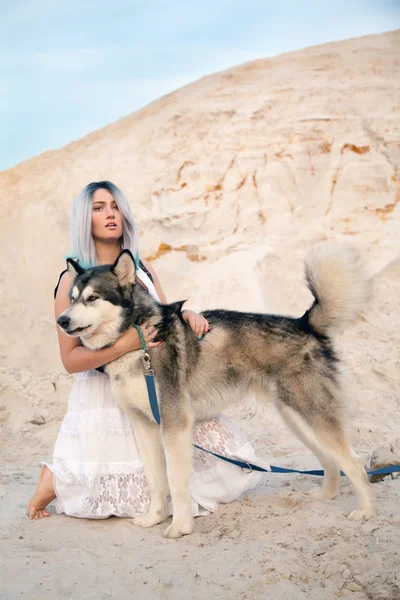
[(146, 263)]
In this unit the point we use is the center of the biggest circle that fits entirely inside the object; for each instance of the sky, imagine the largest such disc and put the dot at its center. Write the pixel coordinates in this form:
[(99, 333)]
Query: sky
[(71, 66)]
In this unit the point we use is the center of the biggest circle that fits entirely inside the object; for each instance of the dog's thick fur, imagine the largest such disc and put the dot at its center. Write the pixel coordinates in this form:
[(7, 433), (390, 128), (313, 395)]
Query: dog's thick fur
[(240, 355)]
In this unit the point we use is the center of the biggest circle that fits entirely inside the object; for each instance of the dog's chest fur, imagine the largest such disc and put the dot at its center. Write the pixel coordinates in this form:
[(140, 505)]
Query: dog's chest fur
[(128, 383)]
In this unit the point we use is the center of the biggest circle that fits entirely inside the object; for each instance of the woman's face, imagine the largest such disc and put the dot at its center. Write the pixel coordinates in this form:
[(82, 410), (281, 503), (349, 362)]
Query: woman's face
[(106, 218)]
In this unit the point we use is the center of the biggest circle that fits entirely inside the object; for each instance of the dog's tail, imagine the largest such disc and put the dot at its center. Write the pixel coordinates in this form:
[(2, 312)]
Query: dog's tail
[(336, 278)]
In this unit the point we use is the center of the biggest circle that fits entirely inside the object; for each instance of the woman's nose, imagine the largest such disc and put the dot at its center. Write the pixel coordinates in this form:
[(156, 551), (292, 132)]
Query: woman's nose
[(110, 211)]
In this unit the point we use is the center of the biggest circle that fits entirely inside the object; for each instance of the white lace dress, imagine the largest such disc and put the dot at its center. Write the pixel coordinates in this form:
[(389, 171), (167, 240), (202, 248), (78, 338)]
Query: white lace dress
[(97, 468)]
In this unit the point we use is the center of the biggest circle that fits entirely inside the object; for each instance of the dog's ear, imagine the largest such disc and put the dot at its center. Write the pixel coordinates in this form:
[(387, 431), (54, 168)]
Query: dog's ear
[(176, 307), (124, 268), (73, 269)]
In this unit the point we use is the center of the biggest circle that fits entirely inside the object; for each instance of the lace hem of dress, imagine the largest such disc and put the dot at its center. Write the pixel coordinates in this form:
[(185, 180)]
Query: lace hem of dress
[(122, 494), (76, 472), (101, 489)]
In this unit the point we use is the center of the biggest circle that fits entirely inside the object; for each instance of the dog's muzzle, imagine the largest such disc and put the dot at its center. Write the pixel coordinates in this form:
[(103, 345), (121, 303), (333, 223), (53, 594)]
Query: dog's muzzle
[(65, 323)]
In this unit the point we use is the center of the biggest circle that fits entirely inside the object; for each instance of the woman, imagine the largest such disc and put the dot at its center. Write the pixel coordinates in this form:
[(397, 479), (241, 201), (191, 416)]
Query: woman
[(96, 470)]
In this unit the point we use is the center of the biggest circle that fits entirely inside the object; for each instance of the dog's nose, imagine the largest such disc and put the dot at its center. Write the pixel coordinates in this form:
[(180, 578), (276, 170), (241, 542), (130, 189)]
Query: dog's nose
[(63, 321)]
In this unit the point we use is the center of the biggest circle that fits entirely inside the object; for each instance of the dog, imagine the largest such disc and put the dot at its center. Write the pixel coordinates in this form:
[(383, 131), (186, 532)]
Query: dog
[(240, 356)]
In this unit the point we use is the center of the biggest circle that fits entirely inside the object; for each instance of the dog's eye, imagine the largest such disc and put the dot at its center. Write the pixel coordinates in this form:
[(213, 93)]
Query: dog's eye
[(92, 298)]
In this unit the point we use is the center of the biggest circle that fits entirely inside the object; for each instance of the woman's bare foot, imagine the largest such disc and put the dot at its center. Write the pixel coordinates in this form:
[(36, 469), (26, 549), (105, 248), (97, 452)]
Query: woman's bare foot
[(43, 496)]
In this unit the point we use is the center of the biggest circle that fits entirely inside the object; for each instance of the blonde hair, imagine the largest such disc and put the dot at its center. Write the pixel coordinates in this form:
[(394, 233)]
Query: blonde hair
[(82, 244)]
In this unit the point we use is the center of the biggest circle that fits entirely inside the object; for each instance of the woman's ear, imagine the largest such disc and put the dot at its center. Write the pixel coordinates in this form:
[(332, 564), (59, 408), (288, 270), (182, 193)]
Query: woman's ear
[(124, 268), (73, 268)]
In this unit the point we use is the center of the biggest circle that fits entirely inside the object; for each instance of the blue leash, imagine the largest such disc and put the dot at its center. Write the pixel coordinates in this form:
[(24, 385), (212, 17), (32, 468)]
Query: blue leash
[(151, 390), (318, 472)]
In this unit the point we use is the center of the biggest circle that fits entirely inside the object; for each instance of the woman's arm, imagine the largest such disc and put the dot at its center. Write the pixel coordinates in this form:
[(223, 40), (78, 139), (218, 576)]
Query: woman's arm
[(197, 322), (75, 357)]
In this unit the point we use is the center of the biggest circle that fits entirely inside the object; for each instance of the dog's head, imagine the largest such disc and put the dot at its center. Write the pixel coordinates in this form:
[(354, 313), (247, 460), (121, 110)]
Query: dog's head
[(102, 301)]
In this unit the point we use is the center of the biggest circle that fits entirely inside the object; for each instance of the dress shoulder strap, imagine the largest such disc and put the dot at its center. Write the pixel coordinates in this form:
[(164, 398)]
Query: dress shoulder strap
[(59, 279), (149, 275)]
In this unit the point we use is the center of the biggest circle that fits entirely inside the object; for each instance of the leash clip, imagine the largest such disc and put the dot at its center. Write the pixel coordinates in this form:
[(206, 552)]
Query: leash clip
[(145, 358), (249, 467)]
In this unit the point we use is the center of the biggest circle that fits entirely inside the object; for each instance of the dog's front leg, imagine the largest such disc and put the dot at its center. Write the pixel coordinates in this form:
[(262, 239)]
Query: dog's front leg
[(177, 436), (148, 439)]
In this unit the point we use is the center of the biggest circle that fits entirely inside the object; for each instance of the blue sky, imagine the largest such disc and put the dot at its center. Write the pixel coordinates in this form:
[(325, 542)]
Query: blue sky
[(69, 67)]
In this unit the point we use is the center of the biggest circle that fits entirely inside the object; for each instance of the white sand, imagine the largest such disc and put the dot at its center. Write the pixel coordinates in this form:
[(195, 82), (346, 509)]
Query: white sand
[(238, 175)]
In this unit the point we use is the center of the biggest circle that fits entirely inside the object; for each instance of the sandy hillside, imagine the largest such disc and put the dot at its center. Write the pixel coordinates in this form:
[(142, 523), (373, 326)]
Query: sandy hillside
[(232, 179)]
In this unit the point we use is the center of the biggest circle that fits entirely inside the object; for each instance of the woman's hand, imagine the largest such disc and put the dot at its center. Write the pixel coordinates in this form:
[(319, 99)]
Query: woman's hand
[(197, 322), (130, 339)]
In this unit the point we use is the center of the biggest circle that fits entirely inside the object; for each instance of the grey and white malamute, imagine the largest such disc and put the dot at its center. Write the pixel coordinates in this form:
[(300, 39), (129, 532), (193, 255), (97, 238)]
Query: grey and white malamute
[(241, 354)]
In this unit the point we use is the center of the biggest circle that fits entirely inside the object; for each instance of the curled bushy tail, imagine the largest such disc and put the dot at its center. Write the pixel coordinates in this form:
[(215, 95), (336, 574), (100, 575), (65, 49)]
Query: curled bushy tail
[(336, 278)]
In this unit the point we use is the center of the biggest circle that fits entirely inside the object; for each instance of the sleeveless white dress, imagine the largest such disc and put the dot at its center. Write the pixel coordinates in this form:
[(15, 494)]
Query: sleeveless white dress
[(97, 468)]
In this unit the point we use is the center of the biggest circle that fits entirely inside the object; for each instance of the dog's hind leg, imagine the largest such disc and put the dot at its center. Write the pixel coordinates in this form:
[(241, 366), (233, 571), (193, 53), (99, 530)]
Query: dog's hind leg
[(337, 443), (318, 423), (352, 466), (331, 483), (177, 437), (148, 439)]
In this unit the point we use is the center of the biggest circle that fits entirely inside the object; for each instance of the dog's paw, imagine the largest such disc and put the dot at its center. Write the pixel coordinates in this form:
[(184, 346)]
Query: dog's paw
[(322, 494), (328, 494), (178, 529), (148, 520), (363, 514)]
